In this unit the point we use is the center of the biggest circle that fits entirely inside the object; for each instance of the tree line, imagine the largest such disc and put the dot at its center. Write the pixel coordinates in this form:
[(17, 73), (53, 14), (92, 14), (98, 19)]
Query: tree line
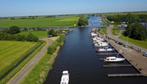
[(13, 34), (130, 18)]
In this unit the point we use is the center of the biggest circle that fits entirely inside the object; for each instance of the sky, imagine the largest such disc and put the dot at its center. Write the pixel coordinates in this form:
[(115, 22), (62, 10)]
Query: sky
[(56, 7)]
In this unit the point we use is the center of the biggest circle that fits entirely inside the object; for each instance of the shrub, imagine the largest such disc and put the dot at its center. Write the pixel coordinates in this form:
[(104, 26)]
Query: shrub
[(14, 30)]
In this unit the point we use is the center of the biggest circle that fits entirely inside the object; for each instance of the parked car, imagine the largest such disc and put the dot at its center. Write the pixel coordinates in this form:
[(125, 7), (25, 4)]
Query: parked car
[(145, 54)]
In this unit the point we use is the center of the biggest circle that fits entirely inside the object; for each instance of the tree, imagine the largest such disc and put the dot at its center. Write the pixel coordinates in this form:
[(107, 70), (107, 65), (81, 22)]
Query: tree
[(136, 31), (52, 32), (14, 30), (83, 21)]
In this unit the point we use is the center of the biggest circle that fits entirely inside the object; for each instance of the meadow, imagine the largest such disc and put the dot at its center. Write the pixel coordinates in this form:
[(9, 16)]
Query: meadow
[(40, 22), (11, 52)]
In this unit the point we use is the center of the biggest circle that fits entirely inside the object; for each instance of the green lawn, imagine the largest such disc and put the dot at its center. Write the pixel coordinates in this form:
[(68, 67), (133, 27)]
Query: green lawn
[(115, 30), (39, 34), (11, 52), (142, 44), (40, 22)]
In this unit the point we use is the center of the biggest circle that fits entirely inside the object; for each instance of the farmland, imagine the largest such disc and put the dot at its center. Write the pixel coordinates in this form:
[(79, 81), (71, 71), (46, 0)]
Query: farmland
[(42, 22), (11, 52)]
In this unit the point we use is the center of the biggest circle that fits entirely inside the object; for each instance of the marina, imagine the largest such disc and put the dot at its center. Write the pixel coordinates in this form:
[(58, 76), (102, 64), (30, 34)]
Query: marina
[(87, 66)]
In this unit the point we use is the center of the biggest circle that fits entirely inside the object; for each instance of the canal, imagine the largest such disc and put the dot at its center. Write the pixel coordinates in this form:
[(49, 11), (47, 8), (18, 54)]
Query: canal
[(78, 55)]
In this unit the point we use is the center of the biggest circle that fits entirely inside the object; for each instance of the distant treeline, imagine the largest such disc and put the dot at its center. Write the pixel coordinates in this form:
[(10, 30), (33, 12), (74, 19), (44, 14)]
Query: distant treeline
[(130, 18)]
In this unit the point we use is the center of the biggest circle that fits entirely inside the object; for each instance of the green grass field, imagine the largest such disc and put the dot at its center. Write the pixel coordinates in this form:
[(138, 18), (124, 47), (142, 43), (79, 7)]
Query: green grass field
[(142, 44), (39, 34), (115, 30), (40, 22), (11, 52)]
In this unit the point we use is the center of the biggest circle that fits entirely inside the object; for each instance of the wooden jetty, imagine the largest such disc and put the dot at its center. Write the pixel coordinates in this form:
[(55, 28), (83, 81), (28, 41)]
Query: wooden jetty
[(118, 65), (125, 75)]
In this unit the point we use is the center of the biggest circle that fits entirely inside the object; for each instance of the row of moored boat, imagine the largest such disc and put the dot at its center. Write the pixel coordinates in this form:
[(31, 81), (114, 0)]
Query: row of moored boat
[(102, 45)]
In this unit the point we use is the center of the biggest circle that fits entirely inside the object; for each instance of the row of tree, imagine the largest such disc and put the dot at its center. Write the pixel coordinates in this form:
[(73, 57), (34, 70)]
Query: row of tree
[(16, 37), (13, 34)]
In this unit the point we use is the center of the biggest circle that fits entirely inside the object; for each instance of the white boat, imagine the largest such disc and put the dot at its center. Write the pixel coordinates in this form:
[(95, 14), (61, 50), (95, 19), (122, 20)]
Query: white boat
[(109, 49), (114, 59), (93, 34), (104, 49), (65, 77), (103, 44)]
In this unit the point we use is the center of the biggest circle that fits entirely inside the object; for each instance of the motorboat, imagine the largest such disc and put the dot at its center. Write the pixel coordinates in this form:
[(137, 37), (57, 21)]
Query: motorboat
[(109, 49), (65, 77), (93, 34), (105, 50), (114, 59), (103, 44)]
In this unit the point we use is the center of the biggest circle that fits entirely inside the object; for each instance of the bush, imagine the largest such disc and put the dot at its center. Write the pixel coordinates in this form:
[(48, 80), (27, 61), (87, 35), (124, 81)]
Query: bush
[(14, 30), (29, 37), (52, 32)]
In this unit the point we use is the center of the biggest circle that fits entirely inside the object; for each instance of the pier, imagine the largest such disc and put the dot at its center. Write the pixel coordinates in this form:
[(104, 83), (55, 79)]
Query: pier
[(126, 75), (117, 65)]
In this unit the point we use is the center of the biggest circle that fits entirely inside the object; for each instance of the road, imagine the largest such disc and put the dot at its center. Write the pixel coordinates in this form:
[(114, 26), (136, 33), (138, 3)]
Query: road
[(31, 64)]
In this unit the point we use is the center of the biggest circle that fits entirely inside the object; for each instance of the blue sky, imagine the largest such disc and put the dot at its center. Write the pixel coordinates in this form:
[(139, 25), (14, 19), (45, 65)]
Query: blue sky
[(53, 7)]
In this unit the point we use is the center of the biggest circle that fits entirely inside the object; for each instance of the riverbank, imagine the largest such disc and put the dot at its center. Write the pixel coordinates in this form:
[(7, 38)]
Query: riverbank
[(39, 73)]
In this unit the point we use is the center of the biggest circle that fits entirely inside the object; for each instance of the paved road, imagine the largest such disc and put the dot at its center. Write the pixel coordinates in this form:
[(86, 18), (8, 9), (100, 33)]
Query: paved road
[(31, 64)]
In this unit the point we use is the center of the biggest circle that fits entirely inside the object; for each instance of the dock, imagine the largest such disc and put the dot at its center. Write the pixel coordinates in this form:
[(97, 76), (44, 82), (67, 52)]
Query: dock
[(126, 75), (118, 65)]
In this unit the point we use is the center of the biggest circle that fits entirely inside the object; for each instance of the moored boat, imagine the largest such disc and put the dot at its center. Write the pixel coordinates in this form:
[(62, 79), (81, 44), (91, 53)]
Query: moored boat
[(114, 59), (65, 77)]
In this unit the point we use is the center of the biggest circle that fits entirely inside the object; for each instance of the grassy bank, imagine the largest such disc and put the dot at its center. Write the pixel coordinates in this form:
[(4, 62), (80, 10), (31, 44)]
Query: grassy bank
[(17, 62), (40, 22), (39, 73), (39, 34), (142, 44)]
